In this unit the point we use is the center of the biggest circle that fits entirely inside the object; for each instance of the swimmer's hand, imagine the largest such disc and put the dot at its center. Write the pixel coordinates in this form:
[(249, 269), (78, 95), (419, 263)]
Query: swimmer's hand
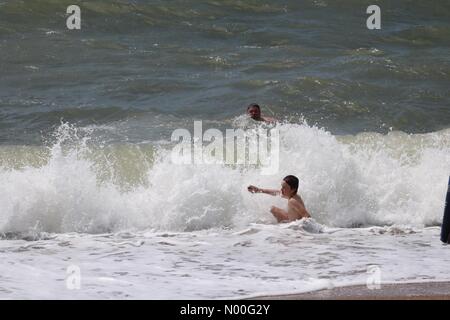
[(253, 189)]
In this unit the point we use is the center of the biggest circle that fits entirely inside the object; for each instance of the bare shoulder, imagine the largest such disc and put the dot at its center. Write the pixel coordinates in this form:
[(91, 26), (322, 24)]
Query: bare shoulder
[(295, 199), (292, 202)]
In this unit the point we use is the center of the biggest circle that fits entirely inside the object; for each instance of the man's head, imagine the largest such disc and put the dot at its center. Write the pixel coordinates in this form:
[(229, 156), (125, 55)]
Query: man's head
[(289, 186), (254, 111)]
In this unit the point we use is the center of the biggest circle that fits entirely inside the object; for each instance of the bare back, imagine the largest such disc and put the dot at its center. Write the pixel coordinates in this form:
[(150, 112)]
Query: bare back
[(296, 208)]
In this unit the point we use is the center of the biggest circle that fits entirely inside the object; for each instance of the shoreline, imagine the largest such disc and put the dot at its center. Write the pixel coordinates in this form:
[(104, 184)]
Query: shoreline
[(400, 291)]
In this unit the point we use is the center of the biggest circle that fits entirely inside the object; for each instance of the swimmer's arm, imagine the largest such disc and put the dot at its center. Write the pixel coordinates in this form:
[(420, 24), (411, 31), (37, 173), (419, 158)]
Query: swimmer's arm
[(272, 192), (279, 214)]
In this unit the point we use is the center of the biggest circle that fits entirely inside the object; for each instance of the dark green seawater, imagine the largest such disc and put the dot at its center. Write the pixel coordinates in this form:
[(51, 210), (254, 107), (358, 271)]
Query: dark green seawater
[(145, 68)]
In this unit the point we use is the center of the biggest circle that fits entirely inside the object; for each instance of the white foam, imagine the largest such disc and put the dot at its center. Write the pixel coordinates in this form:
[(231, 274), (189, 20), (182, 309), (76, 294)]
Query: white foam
[(368, 179), (216, 264)]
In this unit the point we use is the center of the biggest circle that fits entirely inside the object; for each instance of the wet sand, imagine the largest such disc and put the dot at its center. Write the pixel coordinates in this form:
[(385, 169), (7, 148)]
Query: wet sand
[(408, 291)]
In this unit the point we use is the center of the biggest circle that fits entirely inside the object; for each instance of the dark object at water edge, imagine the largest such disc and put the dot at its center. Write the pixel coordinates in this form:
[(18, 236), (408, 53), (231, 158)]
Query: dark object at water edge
[(445, 230)]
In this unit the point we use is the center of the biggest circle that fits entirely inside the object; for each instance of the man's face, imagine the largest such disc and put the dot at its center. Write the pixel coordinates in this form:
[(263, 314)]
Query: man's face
[(254, 113), (285, 189)]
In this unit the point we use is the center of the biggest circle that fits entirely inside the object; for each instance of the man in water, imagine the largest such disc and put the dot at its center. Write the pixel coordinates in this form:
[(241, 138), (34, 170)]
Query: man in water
[(254, 111), (295, 209)]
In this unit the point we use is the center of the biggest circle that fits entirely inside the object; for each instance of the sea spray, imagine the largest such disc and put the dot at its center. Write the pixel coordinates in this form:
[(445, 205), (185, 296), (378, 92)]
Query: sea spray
[(346, 181)]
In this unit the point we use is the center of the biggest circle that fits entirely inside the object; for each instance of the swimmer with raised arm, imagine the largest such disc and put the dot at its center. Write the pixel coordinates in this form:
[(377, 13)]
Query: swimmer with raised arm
[(296, 207)]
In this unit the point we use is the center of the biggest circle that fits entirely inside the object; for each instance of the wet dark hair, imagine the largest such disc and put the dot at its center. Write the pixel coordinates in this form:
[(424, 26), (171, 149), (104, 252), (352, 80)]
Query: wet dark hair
[(253, 105), (292, 181)]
